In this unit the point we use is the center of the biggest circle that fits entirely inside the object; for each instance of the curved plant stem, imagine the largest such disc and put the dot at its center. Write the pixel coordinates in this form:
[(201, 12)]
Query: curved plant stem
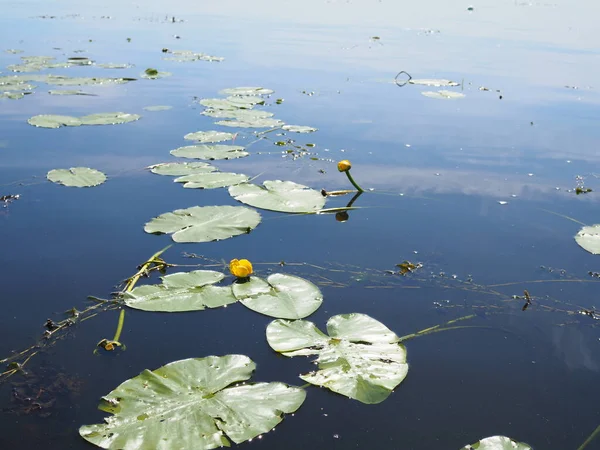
[(358, 188), (595, 433), (120, 326)]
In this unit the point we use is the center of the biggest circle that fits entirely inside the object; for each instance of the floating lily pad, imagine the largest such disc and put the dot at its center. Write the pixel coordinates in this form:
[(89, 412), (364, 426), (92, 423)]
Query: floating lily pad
[(192, 404), (191, 291), (68, 92), (209, 136), (110, 118), (298, 129), (153, 74), (238, 114), (205, 223), (210, 152), (255, 123), (211, 180), (54, 121), (433, 82), (77, 177), (282, 196), (14, 95), (13, 51), (58, 80), (444, 95), (231, 103), (588, 238), (80, 61), (181, 168), (252, 90), (361, 358), (157, 108), (497, 443), (281, 296)]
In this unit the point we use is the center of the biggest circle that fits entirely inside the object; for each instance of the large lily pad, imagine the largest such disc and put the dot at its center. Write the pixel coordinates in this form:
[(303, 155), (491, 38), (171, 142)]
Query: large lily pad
[(181, 168), (191, 291), (77, 177), (588, 238), (204, 137), (210, 152), (211, 180), (237, 114), (282, 196), (205, 223), (361, 358), (281, 296), (497, 443), (192, 404)]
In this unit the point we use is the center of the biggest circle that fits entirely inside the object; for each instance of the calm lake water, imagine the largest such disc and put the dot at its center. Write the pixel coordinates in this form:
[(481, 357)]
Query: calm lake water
[(479, 189)]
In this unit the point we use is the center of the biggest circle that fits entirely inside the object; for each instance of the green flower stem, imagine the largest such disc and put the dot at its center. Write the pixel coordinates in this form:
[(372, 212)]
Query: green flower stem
[(358, 188), (119, 326)]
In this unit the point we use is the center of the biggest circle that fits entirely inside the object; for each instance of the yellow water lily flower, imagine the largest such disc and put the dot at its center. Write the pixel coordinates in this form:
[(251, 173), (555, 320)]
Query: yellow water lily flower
[(240, 268), (344, 165)]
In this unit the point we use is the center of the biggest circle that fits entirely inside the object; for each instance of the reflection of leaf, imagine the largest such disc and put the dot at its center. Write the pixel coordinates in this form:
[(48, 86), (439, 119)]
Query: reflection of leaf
[(211, 180), (205, 223), (361, 358), (497, 443), (76, 177), (588, 238), (281, 296), (283, 196), (191, 404), (192, 291), (210, 152)]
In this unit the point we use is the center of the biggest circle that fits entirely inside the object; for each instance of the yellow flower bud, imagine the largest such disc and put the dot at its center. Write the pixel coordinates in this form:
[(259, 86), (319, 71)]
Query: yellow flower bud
[(240, 268), (344, 166)]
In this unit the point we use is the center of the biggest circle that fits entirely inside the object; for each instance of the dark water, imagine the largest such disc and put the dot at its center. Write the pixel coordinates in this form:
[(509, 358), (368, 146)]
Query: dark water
[(530, 375)]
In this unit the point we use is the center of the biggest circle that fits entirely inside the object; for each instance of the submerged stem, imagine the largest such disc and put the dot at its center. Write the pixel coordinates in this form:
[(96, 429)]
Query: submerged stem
[(120, 326), (594, 434)]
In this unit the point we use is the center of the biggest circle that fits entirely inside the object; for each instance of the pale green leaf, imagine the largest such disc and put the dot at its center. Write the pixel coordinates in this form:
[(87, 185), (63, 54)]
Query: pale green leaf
[(181, 168), (204, 137), (588, 238), (282, 196), (210, 152), (497, 443), (76, 177), (211, 180)]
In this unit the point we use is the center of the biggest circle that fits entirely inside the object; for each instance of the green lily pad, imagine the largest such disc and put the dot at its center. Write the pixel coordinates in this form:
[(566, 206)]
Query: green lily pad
[(68, 92), (110, 118), (281, 296), (191, 291), (433, 82), (181, 168), (588, 238), (444, 95), (361, 358), (231, 103), (282, 196), (298, 129), (153, 74), (14, 95), (53, 121), (237, 114), (205, 137), (80, 61), (497, 443), (210, 152), (77, 177), (192, 404), (205, 223), (251, 90), (255, 123), (211, 180)]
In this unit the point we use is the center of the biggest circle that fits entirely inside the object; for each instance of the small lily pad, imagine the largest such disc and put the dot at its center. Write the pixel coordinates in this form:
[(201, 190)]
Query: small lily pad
[(67, 92), (298, 129), (210, 152), (588, 238), (110, 118), (153, 74), (497, 443), (211, 180), (237, 114), (209, 136), (281, 296), (77, 177), (433, 82), (251, 90), (181, 168), (256, 123)]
